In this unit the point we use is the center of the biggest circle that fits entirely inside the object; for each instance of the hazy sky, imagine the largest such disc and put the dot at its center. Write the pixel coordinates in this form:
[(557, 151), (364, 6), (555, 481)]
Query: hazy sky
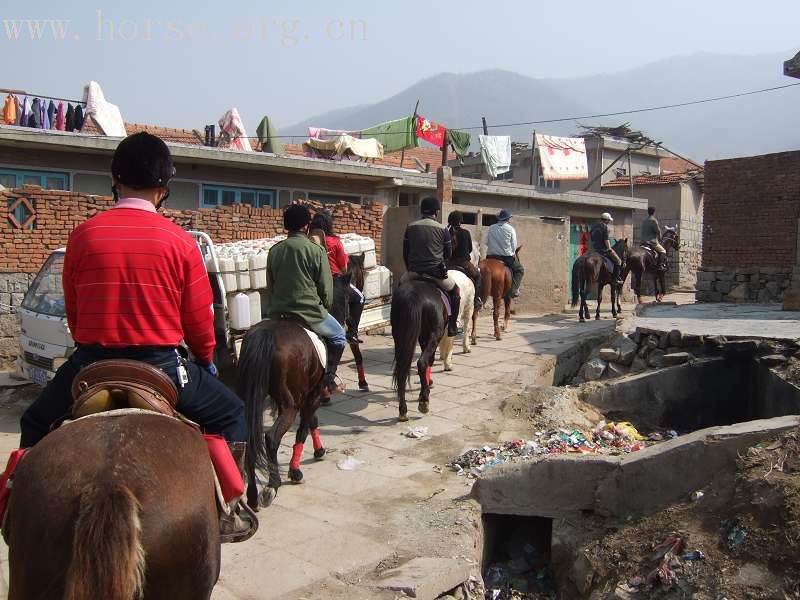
[(181, 63)]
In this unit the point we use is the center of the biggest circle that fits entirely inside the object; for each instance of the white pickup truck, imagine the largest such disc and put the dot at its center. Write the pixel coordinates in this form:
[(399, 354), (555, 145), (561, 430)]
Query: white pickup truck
[(45, 341)]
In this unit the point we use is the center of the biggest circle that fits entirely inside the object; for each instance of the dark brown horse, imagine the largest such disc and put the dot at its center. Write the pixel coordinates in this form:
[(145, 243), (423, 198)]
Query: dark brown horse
[(591, 268), (418, 315), (642, 261), (341, 308), (114, 507), (496, 284), (279, 367)]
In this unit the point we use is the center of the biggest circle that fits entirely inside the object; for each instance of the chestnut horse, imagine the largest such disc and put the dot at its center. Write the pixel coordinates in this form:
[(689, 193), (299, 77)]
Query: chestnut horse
[(114, 507), (642, 261), (496, 284), (592, 268), (278, 359), (418, 315)]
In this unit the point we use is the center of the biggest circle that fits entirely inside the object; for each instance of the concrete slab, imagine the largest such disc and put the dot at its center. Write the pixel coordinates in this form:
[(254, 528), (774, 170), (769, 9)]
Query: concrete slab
[(426, 578)]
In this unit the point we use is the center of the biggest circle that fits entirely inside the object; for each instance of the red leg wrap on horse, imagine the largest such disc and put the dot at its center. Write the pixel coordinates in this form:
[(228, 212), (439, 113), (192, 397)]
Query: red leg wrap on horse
[(361, 377), (316, 439), (297, 454), (428, 375)]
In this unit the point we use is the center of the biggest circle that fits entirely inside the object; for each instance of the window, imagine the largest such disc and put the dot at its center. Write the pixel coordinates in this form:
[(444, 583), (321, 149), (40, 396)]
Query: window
[(469, 218), (552, 184), (13, 178), (214, 195), (507, 176)]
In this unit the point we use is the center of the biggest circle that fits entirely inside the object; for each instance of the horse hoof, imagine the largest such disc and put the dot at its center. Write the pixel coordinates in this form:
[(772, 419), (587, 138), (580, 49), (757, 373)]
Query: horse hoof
[(448, 368), (319, 454), (474, 341), (267, 497), (363, 386), (582, 320), (296, 475), (254, 506), (403, 418), (423, 407), (325, 401), (467, 350)]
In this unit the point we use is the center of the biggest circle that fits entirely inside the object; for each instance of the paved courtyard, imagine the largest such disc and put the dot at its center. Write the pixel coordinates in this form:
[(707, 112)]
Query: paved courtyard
[(340, 533)]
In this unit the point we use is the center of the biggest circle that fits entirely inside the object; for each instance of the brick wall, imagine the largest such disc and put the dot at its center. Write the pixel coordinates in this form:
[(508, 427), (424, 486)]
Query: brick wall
[(55, 214), (752, 205)]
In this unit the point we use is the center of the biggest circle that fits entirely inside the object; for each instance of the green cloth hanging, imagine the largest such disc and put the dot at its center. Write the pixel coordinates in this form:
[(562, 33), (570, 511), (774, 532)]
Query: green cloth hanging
[(268, 136), (459, 141), (394, 135)]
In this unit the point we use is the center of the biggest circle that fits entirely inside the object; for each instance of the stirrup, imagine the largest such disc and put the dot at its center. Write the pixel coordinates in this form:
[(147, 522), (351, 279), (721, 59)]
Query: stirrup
[(233, 527)]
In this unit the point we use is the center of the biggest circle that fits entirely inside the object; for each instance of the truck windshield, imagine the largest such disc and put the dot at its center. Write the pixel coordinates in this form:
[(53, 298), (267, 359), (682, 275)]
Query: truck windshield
[(46, 294)]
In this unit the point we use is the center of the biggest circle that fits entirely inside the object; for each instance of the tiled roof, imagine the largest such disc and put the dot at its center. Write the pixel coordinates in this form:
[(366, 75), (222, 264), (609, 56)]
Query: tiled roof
[(168, 134), (665, 179), (677, 165), (424, 155)]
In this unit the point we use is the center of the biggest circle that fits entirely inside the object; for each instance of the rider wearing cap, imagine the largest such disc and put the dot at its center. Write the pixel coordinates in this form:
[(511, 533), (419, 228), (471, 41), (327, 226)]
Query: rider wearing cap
[(427, 246), (462, 252), (651, 236), (135, 286), (501, 244), (300, 284), (601, 244)]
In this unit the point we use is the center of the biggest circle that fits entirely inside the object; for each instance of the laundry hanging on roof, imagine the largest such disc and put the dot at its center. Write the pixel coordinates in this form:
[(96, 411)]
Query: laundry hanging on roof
[(321, 133), (268, 136), (394, 135), (562, 158), (496, 153), (35, 115), (105, 115), (69, 120), (232, 132), (459, 141), (343, 147), (10, 111), (51, 114), (24, 112), (44, 115), (60, 117), (431, 132), (80, 117)]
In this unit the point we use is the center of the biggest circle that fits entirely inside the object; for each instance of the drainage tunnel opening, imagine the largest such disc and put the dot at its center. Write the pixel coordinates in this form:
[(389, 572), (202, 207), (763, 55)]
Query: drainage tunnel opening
[(516, 554)]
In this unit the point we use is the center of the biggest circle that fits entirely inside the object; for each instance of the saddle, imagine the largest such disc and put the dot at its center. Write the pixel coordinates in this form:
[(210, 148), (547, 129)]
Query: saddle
[(122, 383), (316, 341)]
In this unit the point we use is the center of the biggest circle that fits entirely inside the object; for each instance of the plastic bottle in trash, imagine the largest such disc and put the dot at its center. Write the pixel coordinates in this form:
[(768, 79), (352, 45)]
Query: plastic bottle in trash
[(239, 308)]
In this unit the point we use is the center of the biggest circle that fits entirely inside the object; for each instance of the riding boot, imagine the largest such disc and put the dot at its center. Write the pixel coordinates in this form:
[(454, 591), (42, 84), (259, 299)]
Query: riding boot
[(334, 356), (662, 262), (455, 305), (516, 279), (353, 319), (240, 523)]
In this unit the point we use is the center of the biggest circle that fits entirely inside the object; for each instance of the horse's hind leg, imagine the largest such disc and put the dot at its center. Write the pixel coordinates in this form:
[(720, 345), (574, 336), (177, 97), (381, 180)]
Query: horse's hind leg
[(273, 438), (423, 367), (507, 315), (475, 327), (496, 316), (362, 379), (252, 488), (309, 423), (599, 301)]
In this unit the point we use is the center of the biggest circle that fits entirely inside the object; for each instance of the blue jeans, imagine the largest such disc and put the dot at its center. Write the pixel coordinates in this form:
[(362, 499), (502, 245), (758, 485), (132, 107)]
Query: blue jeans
[(204, 399), (330, 330)]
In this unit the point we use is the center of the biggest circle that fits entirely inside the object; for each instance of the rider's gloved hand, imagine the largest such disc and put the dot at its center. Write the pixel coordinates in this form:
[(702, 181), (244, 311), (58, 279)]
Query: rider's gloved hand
[(211, 368)]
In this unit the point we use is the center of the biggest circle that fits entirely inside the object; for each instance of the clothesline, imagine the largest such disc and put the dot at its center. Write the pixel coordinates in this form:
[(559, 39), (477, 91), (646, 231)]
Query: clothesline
[(43, 96)]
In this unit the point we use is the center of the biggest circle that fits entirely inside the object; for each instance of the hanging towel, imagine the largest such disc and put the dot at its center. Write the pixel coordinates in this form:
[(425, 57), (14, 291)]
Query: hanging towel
[(268, 136), (321, 133), (18, 107), (44, 113), (105, 115), (394, 135), (232, 128), (431, 132), (496, 153), (60, 119), (344, 146), (35, 116), (24, 113), (459, 141), (562, 157), (51, 114), (80, 117), (10, 111), (69, 121)]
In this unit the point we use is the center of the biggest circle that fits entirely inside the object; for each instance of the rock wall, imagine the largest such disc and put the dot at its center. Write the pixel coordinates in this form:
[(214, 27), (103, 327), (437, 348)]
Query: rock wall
[(743, 285)]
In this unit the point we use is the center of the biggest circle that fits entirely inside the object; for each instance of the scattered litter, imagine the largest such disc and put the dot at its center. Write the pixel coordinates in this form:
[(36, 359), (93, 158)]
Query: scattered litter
[(694, 555), (666, 555), (697, 495), (416, 432), (733, 533), (437, 468), (436, 493), (349, 464)]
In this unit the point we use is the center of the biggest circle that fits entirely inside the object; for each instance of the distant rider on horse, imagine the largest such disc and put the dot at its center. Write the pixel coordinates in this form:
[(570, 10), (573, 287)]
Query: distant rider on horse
[(300, 285), (427, 245), (501, 244), (135, 286), (461, 258), (338, 261), (599, 237), (651, 237)]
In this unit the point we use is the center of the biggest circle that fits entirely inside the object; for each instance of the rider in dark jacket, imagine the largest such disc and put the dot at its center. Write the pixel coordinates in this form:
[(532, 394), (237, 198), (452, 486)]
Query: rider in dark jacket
[(601, 244)]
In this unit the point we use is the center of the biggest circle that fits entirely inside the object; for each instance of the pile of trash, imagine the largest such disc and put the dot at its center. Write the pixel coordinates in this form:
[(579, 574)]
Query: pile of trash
[(612, 438), (522, 573)]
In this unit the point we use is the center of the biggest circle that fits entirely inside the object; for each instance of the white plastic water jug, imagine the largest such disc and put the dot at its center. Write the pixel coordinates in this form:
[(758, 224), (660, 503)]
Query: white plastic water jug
[(242, 272), (254, 299), (239, 308), (258, 270), (227, 267)]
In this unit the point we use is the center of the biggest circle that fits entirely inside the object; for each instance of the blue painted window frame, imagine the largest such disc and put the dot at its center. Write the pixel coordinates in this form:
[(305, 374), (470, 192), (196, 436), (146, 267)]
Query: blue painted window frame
[(264, 198), (21, 175)]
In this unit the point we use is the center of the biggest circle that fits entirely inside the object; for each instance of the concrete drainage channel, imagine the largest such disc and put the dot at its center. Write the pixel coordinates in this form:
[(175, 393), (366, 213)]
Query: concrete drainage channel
[(540, 515)]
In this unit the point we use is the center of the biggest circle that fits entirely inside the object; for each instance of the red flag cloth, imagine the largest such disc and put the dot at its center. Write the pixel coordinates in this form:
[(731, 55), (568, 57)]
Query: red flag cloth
[(431, 132)]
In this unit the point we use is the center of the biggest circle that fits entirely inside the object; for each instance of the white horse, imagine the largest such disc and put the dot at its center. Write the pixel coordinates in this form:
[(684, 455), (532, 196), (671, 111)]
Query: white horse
[(466, 309)]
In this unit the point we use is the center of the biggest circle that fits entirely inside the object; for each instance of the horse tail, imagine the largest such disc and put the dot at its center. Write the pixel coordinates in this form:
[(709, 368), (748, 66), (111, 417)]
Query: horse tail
[(255, 359), (576, 281), (107, 555), (486, 283), (406, 320)]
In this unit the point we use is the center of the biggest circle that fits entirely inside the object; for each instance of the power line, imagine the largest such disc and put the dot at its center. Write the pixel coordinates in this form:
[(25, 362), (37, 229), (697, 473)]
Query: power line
[(192, 136)]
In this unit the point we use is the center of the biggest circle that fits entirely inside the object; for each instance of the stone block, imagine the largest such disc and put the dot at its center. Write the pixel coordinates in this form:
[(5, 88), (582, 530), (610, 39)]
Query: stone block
[(704, 286), (638, 365), (764, 296), (426, 578), (773, 360), (675, 338), (616, 370), (593, 369), (676, 358), (739, 294), (723, 286), (726, 276), (609, 354), (773, 287), (627, 350), (663, 340), (704, 276), (715, 297), (656, 358)]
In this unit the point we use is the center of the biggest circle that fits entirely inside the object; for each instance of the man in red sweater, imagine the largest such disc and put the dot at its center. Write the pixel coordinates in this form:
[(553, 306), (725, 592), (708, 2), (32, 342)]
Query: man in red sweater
[(135, 286)]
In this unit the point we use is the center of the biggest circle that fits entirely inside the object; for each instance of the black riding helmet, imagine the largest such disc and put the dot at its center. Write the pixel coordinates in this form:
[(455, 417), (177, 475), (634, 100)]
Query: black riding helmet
[(430, 206), (295, 217), (142, 161)]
